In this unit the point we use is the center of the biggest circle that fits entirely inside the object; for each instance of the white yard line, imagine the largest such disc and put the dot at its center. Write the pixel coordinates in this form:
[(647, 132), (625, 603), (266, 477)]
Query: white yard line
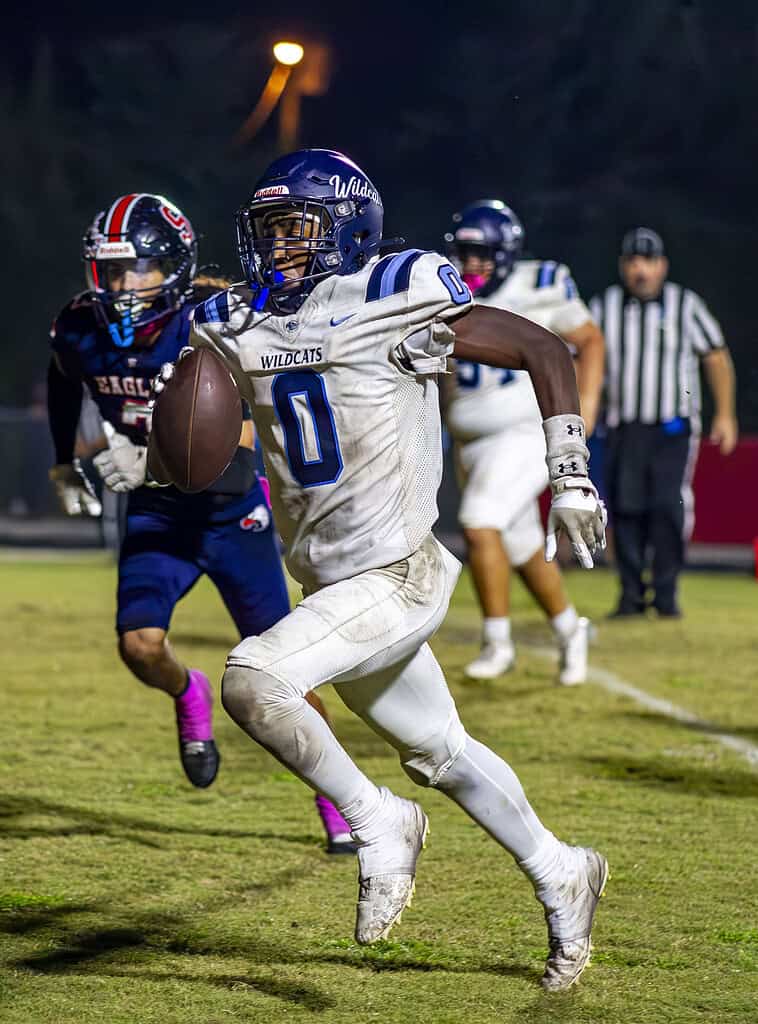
[(615, 684), (34, 554)]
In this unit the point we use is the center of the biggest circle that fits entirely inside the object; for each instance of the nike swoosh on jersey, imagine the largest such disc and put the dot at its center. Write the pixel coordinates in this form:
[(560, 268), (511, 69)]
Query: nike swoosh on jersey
[(337, 320)]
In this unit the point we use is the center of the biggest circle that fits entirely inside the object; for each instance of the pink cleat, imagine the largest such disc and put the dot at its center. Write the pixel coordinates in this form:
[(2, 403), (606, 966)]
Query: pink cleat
[(338, 838), (197, 748)]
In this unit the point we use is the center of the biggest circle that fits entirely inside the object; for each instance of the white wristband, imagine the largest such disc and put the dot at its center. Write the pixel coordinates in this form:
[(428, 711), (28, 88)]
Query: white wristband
[(567, 454)]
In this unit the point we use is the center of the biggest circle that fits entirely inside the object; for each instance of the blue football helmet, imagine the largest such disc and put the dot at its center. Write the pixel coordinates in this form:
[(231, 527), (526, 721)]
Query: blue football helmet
[(494, 232), (141, 233), (314, 213)]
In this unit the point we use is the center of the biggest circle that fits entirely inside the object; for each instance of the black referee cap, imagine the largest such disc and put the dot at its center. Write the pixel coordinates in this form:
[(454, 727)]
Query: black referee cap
[(642, 242)]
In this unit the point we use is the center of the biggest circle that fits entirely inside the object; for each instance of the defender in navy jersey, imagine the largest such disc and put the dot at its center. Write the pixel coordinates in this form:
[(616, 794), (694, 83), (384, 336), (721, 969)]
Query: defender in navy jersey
[(141, 258)]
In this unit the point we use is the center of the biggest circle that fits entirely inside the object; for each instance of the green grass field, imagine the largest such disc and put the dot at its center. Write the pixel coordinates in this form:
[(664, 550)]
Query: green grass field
[(127, 896)]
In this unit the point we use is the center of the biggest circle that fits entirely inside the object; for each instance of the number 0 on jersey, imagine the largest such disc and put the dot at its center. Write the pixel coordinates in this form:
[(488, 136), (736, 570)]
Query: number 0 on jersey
[(301, 403)]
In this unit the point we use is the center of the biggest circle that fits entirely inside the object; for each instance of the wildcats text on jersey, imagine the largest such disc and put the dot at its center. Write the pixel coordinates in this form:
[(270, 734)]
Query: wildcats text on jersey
[(281, 360)]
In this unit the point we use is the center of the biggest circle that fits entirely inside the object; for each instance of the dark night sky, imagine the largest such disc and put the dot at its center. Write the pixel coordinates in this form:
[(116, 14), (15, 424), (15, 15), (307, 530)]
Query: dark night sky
[(586, 117)]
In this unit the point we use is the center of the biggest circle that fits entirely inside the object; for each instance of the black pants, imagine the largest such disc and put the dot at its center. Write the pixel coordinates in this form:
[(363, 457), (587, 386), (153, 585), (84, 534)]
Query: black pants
[(645, 470)]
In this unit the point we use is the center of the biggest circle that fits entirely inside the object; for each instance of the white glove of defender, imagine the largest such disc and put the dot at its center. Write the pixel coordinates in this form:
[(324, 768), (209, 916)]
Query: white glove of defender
[(166, 372), (576, 508), (74, 491), (164, 375), (122, 465)]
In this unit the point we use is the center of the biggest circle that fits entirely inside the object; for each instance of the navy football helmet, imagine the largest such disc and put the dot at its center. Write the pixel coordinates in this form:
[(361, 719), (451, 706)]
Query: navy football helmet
[(493, 231), (139, 236), (314, 213)]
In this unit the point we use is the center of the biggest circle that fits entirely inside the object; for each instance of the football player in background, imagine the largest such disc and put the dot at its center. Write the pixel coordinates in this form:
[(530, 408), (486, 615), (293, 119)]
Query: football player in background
[(494, 419), (140, 258), (337, 351)]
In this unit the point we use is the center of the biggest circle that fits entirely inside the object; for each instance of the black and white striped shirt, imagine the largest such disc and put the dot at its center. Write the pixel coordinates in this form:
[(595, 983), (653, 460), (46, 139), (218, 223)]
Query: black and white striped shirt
[(652, 352)]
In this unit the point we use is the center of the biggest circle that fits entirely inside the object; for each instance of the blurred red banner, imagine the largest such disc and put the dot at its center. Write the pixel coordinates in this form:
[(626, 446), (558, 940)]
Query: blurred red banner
[(726, 494)]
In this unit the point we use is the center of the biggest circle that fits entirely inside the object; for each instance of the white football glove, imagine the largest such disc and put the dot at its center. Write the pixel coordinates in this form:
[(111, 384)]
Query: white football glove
[(576, 508), (579, 512), (122, 465), (166, 371), (74, 490)]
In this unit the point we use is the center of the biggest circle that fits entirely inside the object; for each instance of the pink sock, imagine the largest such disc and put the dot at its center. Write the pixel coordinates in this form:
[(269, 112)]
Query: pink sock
[(333, 821), (193, 709)]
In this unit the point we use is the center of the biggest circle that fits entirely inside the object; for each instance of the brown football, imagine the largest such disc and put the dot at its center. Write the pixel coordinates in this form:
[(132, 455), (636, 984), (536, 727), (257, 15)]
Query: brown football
[(197, 420)]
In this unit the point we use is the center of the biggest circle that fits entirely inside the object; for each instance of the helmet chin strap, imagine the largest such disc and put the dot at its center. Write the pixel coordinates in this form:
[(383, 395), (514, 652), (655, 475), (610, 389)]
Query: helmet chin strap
[(260, 297), (261, 293)]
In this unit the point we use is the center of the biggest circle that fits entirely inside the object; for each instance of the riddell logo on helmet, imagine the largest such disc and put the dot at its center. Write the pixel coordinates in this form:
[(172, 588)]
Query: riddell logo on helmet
[(271, 190), (353, 187), (110, 250)]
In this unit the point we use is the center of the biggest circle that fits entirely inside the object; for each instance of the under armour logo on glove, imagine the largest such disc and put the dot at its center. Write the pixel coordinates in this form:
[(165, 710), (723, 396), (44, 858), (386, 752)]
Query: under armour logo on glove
[(567, 453)]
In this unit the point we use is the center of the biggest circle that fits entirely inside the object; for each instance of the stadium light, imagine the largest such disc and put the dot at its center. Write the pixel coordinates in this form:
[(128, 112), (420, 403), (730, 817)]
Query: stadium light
[(288, 54), (296, 72)]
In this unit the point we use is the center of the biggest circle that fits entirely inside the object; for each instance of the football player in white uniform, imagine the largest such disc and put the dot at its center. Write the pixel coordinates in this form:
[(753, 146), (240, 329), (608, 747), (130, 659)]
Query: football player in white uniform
[(337, 350), (495, 421)]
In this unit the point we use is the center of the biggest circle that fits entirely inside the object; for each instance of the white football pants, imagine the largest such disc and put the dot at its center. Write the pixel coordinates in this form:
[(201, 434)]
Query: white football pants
[(368, 636)]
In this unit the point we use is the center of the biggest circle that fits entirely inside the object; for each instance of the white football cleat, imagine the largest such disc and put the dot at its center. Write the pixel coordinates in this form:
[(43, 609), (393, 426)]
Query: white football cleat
[(569, 915), (572, 669), (387, 870), (493, 660)]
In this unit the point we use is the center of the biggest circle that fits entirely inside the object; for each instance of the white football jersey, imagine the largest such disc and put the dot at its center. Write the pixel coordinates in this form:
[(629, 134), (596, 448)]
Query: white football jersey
[(484, 400), (345, 402)]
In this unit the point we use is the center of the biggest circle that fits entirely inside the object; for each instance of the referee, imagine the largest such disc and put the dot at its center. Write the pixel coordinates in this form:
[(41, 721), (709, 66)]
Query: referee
[(656, 334)]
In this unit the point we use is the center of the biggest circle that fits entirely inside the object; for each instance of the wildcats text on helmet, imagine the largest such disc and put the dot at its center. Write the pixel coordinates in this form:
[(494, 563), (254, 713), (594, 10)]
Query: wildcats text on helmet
[(353, 187)]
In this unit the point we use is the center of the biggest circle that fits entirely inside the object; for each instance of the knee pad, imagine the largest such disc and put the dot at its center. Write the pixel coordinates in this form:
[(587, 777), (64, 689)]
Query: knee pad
[(427, 762), (255, 699)]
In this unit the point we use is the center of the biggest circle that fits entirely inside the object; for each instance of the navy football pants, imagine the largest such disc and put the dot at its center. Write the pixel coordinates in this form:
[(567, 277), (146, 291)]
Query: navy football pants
[(163, 556)]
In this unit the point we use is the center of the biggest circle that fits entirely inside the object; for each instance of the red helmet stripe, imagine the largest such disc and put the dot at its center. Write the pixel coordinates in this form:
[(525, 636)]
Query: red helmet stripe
[(118, 215)]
